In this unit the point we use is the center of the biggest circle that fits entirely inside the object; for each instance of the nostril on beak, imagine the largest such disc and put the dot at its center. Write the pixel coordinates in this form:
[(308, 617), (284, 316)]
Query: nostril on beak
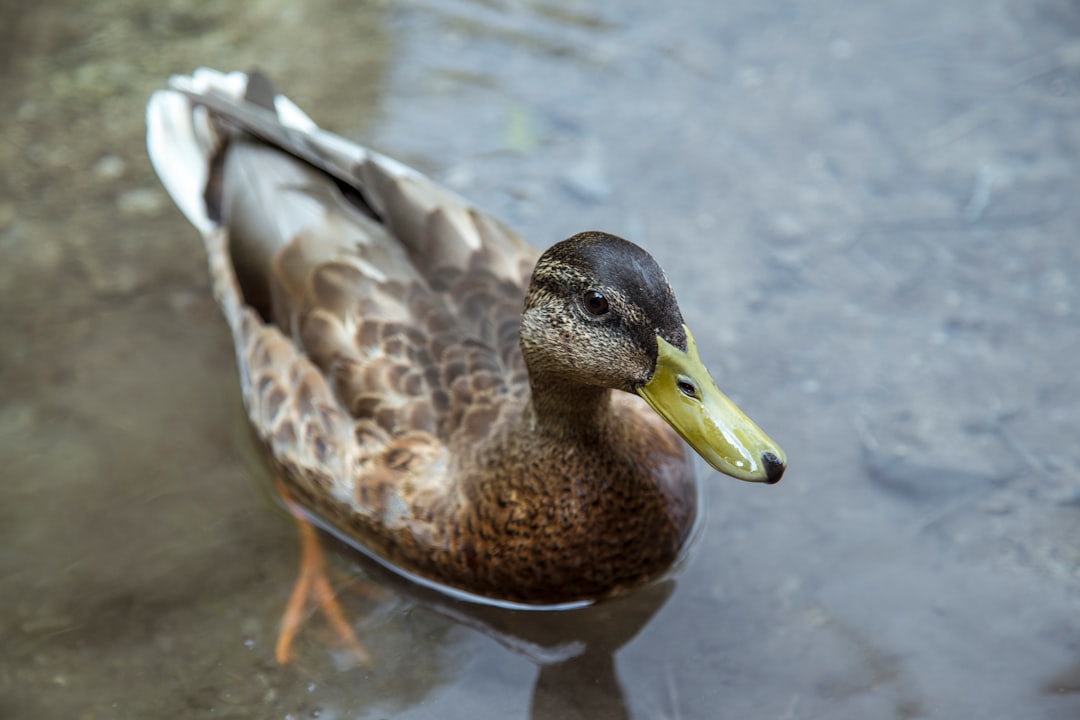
[(774, 467)]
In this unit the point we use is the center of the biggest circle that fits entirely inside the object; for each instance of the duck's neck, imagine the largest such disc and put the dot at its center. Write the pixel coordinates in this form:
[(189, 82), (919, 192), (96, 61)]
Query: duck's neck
[(567, 412)]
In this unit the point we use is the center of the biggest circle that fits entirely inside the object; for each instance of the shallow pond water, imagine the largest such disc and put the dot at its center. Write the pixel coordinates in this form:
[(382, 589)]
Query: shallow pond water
[(868, 212)]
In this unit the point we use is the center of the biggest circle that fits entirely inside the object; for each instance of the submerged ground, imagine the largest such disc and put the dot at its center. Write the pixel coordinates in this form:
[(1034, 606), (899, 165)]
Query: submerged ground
[(868, 211)]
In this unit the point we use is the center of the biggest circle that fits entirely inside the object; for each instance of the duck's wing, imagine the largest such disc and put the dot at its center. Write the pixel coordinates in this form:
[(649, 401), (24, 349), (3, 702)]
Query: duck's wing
[(375, 314)]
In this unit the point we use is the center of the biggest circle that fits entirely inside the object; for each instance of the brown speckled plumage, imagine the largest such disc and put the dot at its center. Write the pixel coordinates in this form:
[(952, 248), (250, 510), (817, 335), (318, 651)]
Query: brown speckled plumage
[(379, 324)]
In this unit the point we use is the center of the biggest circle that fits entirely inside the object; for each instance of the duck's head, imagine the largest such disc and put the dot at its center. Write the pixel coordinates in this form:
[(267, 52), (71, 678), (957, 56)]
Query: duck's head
[(600, 313)]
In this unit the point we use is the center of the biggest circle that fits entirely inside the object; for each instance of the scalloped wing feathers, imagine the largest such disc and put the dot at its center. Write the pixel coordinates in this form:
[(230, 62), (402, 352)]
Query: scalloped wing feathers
[(375, 314)]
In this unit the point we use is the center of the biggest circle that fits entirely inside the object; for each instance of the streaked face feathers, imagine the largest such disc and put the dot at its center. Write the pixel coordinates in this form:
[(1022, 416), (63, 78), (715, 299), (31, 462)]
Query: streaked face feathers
[(593, 312)]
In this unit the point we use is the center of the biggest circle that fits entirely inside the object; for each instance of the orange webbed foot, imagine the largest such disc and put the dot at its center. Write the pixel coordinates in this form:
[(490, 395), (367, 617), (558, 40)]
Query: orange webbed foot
[(312, 587)]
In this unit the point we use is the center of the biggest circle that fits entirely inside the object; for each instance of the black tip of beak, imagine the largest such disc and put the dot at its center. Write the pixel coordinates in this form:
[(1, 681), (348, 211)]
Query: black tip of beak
[(774, 467)]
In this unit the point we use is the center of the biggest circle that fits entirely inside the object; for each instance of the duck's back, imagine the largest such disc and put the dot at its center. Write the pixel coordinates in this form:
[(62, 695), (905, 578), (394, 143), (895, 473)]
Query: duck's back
[(375, 314)]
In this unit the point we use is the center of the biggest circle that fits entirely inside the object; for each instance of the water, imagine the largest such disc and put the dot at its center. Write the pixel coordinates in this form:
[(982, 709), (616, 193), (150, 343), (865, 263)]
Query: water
[(868, 213)]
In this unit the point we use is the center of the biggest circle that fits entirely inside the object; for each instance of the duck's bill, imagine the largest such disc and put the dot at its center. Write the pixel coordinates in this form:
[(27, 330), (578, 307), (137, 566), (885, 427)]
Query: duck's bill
[(683, 392)]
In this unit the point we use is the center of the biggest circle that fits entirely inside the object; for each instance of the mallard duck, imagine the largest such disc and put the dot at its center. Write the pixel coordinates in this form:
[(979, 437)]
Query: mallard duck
[(461, 406)]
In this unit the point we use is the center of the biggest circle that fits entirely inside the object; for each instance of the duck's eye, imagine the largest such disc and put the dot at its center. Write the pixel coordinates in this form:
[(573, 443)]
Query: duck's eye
[(595, 302)]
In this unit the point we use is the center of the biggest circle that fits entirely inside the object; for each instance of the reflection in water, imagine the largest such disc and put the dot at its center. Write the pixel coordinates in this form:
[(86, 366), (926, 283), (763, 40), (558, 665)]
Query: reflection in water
[(1065, 683), (573, 649), (583, 682), (583, 687)]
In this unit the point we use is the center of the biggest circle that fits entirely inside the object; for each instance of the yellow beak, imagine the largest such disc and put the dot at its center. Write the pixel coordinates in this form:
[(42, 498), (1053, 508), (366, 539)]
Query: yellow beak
[(683, 393)]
